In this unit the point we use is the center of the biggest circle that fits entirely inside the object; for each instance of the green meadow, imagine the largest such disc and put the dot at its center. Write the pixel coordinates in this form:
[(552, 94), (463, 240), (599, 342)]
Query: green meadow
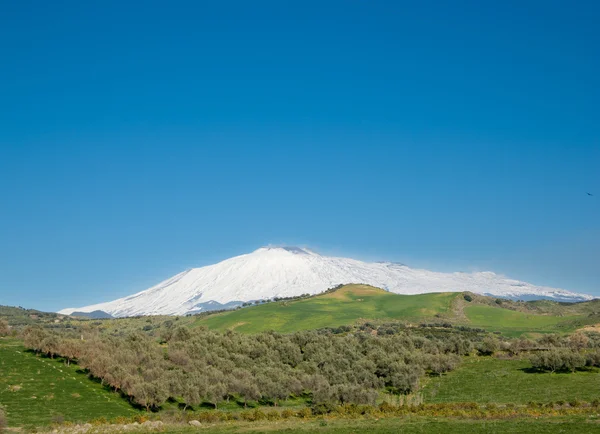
[(36, 391), (515, 323), (502, 381), (345, 306)]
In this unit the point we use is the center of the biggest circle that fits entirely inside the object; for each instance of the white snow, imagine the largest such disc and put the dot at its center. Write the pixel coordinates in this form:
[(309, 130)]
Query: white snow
[(290, 271)]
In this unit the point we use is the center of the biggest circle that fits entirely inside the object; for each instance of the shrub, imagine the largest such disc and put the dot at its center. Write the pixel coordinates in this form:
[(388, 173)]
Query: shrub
[(305, 413), (386, 407), (287, 413), (273, 415), (593, 358), (259, 414), (488, 346), (468, 298), (209, 416)]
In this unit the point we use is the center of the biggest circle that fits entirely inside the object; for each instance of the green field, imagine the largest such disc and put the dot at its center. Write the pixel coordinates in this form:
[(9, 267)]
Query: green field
[(354, 303), (416, 425), (343, 307), (35, 390), (487, 379), (515, 323)]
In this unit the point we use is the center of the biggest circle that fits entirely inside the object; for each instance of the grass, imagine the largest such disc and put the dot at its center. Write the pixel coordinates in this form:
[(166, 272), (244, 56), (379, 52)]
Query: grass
[(491, 380), (343, 307), (573, 424), (515, 323), (35, 391)]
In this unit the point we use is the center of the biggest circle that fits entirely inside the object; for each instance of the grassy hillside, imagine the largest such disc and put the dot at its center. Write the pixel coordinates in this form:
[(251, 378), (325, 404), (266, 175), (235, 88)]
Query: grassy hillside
[(515, 323), (20, 317), (35, 391), (342, 307), (353, 303), (488, 379)]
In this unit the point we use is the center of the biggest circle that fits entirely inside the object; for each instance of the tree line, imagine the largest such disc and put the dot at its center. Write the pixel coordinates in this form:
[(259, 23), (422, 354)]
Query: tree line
[(202, 366), (343, 365)]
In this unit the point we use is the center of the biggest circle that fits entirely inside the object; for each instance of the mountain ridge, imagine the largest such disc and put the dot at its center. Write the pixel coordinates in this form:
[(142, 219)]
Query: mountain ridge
[(286, 271)]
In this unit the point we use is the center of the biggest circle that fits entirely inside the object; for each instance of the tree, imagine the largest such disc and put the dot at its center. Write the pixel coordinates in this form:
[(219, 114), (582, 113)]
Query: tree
[(150, 394), (69, 349), (4, 328), (558, 359), (194, 389), (403, 378), (441, 363), (50, 345), (488, 346), (216, 392), (33, 337), (578, 341)]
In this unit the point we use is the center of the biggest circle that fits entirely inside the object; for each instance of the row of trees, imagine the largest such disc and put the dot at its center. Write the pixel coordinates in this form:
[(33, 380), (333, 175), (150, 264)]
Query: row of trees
[(564, 359), (348, 364), (205, 366)]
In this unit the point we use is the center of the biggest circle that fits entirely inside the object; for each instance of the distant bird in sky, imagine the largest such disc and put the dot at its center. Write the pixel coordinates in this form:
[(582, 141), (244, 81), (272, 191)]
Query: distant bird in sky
[(590, 194)]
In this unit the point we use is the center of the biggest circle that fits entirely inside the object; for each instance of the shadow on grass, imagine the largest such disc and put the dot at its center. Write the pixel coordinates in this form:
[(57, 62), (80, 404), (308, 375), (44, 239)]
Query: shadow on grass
[(532, 370)]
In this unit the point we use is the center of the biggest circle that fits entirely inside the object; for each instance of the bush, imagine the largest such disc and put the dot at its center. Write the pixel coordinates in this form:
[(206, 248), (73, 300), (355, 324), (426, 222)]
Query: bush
[(305, 413), (287, 413), (488, 346), (273, 415), (468, 298), (593, 358)]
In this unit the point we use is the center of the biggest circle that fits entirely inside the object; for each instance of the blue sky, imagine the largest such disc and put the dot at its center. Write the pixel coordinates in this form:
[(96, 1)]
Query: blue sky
[(138, 141)]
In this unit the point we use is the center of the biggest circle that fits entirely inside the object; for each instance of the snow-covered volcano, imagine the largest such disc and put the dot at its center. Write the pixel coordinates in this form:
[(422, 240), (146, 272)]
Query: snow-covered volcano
[(290, 271)]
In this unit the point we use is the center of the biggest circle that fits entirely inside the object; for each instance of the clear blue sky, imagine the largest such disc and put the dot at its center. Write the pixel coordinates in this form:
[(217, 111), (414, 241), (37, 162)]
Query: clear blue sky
[(138, 139)]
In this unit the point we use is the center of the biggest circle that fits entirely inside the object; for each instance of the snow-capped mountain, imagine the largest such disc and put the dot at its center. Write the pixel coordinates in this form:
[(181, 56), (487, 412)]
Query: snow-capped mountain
[(290, 271)]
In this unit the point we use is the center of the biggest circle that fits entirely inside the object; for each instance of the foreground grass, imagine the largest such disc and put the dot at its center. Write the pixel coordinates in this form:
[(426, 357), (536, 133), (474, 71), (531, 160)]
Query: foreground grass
[(572, 424), (487, 379), (342, 307), (35, 391)]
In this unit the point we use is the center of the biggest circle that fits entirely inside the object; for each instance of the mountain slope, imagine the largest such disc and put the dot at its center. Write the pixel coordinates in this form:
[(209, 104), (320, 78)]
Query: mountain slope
[(290, 271)]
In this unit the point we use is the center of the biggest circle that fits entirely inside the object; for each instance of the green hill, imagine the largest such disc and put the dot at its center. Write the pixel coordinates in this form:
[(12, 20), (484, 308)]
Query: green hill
[(36, 391), (344, 306), (352, 303)]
